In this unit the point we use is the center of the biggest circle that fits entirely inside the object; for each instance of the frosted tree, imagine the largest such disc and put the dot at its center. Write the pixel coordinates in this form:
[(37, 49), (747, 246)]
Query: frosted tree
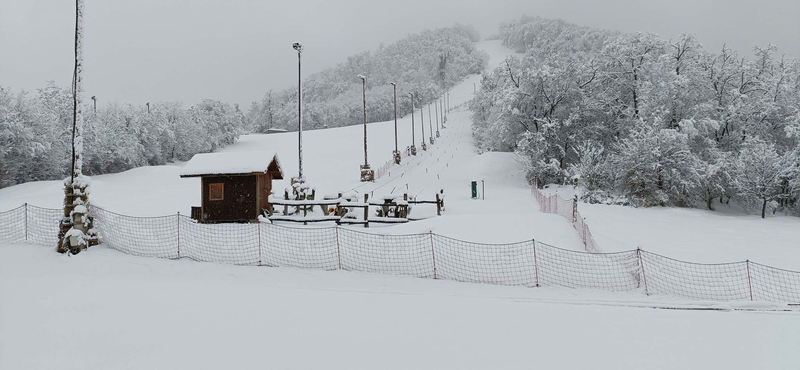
[(759, 171)]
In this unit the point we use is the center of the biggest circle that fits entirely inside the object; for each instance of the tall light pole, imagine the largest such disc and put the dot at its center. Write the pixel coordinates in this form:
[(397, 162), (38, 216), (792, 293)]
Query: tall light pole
[(422, 125), (299, 48), (396, 154), (444, 113), (436, 109), (413, 140), (430, 123), (366, 173)]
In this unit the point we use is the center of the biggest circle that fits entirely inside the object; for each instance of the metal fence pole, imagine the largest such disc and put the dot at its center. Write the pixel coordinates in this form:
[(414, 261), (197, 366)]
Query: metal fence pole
[(178, 218), (338, 248), (749, 280), (26, 221), (259, 243), (433, 256), (535, 262), (641, 268)]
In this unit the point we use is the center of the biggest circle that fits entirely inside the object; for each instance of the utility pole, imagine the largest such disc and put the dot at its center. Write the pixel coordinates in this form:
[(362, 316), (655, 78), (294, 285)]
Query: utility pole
[(396, 154), (444, 113), (366, 173), (148, 107), (430, 123), (436, 108), (94, 98), (74, 229), (422, 124), (413, 139), (299, 178)]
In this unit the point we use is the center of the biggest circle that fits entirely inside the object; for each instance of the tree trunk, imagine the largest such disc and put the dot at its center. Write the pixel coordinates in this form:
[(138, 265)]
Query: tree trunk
[(763, 207)]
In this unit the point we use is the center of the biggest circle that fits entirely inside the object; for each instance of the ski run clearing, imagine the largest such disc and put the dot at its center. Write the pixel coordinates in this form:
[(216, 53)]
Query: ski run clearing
[(123, 312)]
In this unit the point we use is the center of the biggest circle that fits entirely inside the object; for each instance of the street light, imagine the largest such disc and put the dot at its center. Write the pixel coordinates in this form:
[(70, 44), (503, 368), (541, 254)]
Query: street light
[(436, 108), (430, 123), (366, 173), (396, 154), (413, 140), (422, 124), (299, 178)]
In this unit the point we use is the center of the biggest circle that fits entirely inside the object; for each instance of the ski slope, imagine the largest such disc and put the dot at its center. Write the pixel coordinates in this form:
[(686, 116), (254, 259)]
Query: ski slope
[(331, 165), (104, 309), (107, 310)]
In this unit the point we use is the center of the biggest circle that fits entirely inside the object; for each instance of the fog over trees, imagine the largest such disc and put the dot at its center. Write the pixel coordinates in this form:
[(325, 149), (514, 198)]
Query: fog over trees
[(427, 63), (644, 120)]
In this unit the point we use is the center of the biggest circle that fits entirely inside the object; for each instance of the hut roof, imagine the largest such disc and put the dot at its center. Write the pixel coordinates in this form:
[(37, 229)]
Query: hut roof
[(233, 163)]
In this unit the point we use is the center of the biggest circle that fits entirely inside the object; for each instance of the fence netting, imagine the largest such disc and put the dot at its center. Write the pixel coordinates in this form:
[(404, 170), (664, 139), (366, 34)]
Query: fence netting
[(529, 263), (12, 225), (567, 208)]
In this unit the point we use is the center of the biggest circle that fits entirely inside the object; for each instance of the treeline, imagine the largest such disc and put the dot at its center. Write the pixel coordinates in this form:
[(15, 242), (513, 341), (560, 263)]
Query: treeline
[(636, 118), (426, 63), (36, 134)]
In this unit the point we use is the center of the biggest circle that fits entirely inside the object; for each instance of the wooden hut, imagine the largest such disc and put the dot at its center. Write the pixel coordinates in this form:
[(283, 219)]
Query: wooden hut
[(235, 186)]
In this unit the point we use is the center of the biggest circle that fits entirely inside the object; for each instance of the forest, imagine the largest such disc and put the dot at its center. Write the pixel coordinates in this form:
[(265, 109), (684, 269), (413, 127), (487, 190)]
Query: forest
[(637, 119), (35, 128), (427, 64)]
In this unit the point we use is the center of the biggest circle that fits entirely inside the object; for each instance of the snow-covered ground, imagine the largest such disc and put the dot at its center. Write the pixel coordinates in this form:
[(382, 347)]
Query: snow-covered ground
[(696, 235), (107, 310), (331, 164), (103, 309)]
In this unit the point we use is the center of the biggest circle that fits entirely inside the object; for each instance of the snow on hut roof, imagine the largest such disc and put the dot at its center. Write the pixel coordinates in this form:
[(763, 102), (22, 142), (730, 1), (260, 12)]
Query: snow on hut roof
[(233, 163)]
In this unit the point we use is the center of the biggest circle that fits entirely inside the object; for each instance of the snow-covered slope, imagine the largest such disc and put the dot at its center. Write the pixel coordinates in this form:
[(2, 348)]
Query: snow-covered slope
[(331, 164), (107, 310)]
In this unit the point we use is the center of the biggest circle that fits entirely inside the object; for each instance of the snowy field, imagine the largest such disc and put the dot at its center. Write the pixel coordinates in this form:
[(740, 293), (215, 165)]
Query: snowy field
[(508, 214), (124, 312)]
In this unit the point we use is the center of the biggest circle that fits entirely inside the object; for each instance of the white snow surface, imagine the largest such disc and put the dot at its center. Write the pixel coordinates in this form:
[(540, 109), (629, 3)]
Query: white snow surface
[(508, 214), (229, 163), (106, 310)]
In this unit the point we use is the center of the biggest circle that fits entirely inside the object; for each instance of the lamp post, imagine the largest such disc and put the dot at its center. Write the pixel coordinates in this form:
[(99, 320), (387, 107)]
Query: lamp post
[(396, 153), (430, 124), (422, 124), (299, 178), (444, 114), (366, 173), (413, 140), (436, 109)]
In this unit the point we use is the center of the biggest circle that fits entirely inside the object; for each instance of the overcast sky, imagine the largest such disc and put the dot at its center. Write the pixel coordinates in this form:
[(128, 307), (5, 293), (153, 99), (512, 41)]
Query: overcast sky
[(236, 50)]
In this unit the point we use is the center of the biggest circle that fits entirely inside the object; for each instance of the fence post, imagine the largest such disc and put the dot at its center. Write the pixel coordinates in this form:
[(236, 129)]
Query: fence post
[(26, 221), (535, 262), (574, 208), (178, 218), (259, 243), (338, 248), (749, 280), (641, 268), (366, 209), (433, 256)]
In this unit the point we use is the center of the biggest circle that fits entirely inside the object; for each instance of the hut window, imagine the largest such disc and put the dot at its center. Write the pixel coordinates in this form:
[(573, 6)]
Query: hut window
[(216, 191)]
